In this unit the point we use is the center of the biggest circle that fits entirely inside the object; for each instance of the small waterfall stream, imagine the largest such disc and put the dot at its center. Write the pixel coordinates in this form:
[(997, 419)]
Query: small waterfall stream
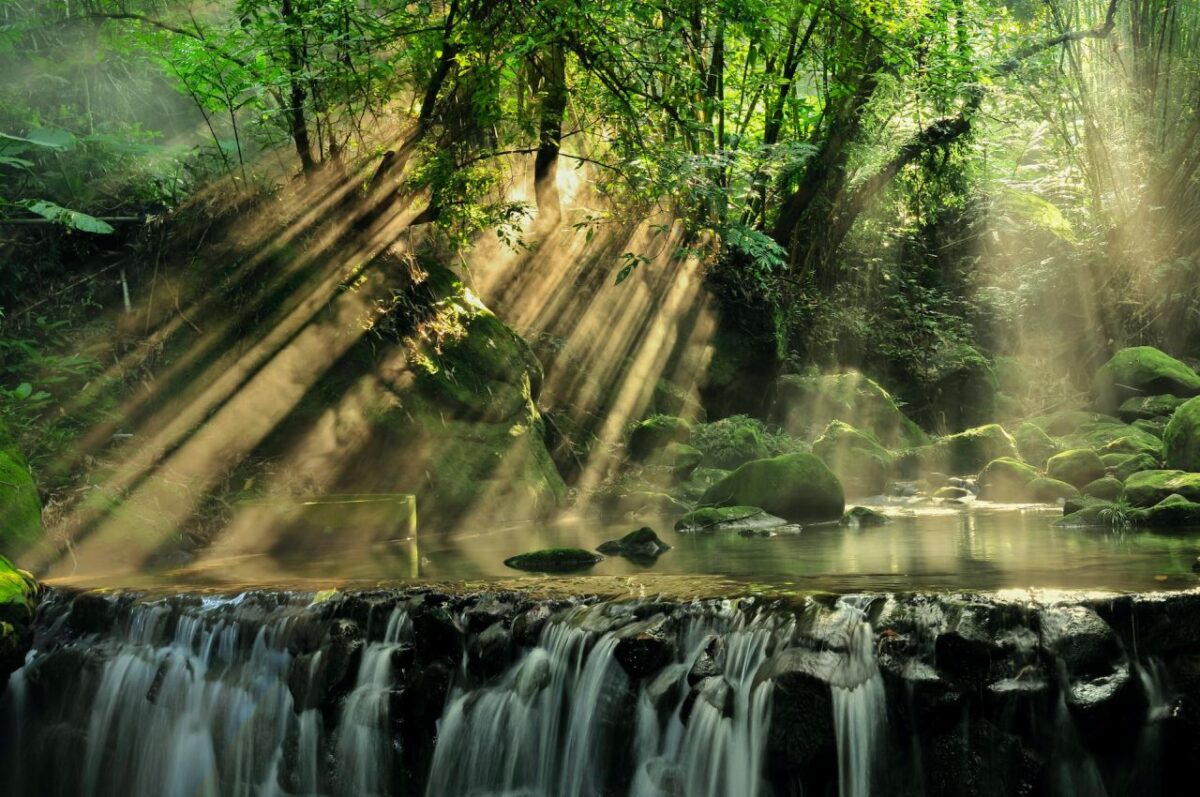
[(280, 696)]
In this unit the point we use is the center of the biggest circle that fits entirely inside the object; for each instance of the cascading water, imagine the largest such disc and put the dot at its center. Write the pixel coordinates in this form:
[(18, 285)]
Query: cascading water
[(383, 694)]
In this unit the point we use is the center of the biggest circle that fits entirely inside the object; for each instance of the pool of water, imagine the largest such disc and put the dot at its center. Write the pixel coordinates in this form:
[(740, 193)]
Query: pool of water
[(979, 547)]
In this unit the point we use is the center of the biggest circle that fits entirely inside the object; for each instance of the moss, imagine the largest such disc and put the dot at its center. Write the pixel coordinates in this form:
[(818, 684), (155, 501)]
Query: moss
[(1142, 371), (731, 441), (656, 432), (18, 593), (1006, 479), (1148, 408), (1181, 441), (860, 462), (1156, 426), (1171, 512), (969, 451), (1130, 445), (671, 399), (1135, 464), (679, 458), (554, 560), (805, 404), (1106, 488), (727, 518), (1149, 487), (1068, 422), (638, 544), (20, 507), (1076, 467), (1092, 516), (864, 516), (1051, 490), (1034, 445), (796, 487)]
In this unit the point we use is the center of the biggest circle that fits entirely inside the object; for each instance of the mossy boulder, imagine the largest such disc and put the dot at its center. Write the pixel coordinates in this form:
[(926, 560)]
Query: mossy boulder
[(1174, 511), (1099, 514), (796, 487), (1149, 487), (20, 507), (1069, 422), (727, 518), (969, 451), (1131, 444), (656, 432), (1181, 440), (804, 405), (1105, 488), (1148, 408), (1151, 426), (859, 461), (554, 560), (1006, 479), (700, 480), (1135, 464), (680, 459), (1049, 491), (864, 516), (1034, 445), (640, 543), (1142, 371), (732, 441), (1077, 467)]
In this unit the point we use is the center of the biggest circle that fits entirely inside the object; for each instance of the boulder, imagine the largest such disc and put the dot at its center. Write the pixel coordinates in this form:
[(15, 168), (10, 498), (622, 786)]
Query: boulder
[(1051, 491), (1077, 467), (797, 487), (656, 432), (801, 733), (644, 648), (1181, 440), (1006, 479), (1148, 487), (1105, 488), (864, 516), (490, 651), (969, 451), (951, 493), (1148, 408), (1078, 637), (727, 518), (859, 461), (554, 560), (1172, 512), (1034, 445), (1133, 464), (805, 404), (641, 543), (1142, 371)]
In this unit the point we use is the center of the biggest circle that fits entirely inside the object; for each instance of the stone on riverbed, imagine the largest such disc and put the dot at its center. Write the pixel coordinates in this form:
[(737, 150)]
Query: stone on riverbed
[(860, 462), (1106, 488), (1181, 440), (1006, 479), (797, 487), (1051, 491), (1077, 467), (1149, 487), (655, 433), (641, 543), (554, 560), (728, 518), (1172, 511), (864, 516), (1034, 445)]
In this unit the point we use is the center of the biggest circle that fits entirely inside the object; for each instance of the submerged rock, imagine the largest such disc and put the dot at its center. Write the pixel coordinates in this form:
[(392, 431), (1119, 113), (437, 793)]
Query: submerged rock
[(728, 518), (554, 560), (641, 543), (1181, 440), (797, 487), (1142, 371)]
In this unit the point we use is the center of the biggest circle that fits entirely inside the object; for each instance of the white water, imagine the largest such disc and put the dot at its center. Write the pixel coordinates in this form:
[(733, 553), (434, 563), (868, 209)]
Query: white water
[(859, 704)]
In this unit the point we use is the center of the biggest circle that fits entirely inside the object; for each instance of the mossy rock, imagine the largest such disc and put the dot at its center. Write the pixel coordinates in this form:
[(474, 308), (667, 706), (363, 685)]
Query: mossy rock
[(1006, 479), (1142, 371), (554, 560), (1034, 445), (864, 516), (679, 458), (969, 451), (1148, 408), (1149, 487), (1181, 440), (1135, 464), (1069, 422), (1076, 467), (1049, 491), (796, 487), (803, 405), (859, 461), (731, 441), (1174, 511), (1106, 488), (1112, 437), (669, 398), (1151, 426), (1092, 516), (1115, 460), (18, 600), (1130, 445), (700, 480), (656, 432), (640, 543), (1073, 505), (953, 494), (20, 507), (728, 518)]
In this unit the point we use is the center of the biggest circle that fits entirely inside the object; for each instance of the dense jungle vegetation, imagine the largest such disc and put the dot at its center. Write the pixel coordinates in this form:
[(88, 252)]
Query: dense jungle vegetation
[(964, 198)]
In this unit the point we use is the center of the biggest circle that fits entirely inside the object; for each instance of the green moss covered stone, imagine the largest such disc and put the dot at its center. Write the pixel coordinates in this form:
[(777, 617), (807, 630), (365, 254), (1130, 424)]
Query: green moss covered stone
[(657, 432), (554, 560), (859, 461), (1149, 487), (1051, 491), (1106, 488), (1181, 440), (1077, 467), (797, 487), (727, 518), (1034, 445), (1006, 479), (1142, 371), (20, 507)]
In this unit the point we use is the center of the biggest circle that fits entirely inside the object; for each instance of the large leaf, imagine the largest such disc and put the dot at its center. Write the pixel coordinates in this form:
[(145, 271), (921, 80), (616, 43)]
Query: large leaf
[(67, 217), (44, 138)]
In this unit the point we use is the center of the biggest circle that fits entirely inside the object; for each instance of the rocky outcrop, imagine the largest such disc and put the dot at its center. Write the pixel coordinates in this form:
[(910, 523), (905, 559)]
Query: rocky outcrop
[(1142, 371)]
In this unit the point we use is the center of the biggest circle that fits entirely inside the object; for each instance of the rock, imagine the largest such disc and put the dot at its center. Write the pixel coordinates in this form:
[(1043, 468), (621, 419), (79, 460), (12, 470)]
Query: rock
[(859, 461), (1148, 408), (554, 560), (1073, 505), (801, 733), (796, 487), (727, 518), (644, 649), (1050, 491), (804, 404), (1174, 511), (490, 651), (863, 516), (1131, 444), (1006, 479), (731, 441), (671, 399), (1034, 445), (1149, 487), (680, 458), (1080, 639), (527, 626), (1142, 371), (91, 613), (1077, 467), (1095, 515), (1071, 422), (436, 634), (1156, 427), (319, 679), (969, 451), (20, 506), (655, 433), (641, 543), (953, 494), (1181, 441), (19, 594), (1106, 488), (1135, 464), (714, 692), (707, 664)]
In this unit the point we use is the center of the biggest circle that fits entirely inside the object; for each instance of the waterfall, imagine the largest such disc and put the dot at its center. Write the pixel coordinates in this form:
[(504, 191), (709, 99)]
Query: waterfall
[(859, 704)]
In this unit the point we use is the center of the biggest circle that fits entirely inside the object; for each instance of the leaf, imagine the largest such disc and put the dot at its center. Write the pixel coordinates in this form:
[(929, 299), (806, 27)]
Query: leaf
[(67, 217), (23, 391), (624, 273), (19, 162)]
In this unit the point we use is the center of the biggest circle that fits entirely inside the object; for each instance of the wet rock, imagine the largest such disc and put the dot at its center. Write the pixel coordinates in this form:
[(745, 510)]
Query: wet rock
[(727, 518), (554, 560), (91, 613), (953, 494), (707, 664), (1077, 467), (1006, 479), (436, 634), (318, 679), (1174, 511), (864, 516), (980, 760), (645, 648), (491, 651), (527, 626), (1046, 490), (641, 543), (662, 689), (715, 692), (1078, 637), (487, 611), (801, 734), (1149, 487)]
